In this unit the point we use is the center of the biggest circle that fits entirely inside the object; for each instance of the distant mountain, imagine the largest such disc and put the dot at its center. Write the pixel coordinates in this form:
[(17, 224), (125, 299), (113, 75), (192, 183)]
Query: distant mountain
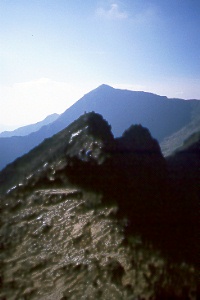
[(26, 130), (185, 161), (4, 127), (177, 139), (162, 116)]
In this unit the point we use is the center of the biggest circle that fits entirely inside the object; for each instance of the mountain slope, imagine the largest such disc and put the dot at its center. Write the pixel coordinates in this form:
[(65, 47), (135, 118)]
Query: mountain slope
[(177, 139), (25, 130), (72, 247), (121, 108), (52, 149), (87, 154), (75, 141), (98, 220)]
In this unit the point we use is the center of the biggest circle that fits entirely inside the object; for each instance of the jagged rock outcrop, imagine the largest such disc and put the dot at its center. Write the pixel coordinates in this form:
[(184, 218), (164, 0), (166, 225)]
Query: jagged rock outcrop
[(91, 140), (89, 132), (95, 218)]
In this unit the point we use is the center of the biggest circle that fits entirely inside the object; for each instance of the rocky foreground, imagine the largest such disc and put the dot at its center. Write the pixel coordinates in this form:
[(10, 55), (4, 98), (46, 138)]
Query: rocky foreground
[(99, 220), (63, 244)]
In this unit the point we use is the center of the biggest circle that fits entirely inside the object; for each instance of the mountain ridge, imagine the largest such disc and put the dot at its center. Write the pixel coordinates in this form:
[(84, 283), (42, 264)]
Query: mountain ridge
[(175, 141), (28, 129), (162, 116), (62, 144), (102, 217)]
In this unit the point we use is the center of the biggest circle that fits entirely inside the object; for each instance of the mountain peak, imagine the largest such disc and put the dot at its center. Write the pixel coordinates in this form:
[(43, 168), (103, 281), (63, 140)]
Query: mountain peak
[(120, 108), (104, 87)]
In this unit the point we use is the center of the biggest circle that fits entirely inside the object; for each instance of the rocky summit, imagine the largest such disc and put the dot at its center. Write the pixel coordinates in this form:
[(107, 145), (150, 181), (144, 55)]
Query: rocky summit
[(93, 217)]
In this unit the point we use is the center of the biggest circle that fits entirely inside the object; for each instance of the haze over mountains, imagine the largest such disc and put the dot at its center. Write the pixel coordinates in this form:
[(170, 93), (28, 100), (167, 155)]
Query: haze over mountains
[(25, 130), (162, 116)]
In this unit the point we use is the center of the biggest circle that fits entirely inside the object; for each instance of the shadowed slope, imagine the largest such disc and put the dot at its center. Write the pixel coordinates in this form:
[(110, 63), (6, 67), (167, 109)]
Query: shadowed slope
[(102, 219)]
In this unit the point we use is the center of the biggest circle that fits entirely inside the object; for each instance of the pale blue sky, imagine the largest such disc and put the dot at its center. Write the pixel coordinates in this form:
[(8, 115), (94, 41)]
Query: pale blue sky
[(52, 52)]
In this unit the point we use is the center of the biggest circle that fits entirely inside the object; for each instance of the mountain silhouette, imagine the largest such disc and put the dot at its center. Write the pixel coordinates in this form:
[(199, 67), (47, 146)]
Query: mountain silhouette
[(25, 130), (76, 139), (162, 116)]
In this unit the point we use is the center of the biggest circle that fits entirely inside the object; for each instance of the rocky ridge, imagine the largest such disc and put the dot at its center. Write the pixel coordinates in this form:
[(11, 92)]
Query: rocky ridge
[(93, 221)]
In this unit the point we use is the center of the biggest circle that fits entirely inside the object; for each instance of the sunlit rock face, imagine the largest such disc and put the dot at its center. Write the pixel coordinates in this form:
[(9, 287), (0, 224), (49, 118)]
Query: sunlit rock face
[(90, 219)]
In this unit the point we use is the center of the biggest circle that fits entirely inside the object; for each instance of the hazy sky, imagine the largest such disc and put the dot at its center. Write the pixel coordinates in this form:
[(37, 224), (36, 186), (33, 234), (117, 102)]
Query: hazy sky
[(52, 52)]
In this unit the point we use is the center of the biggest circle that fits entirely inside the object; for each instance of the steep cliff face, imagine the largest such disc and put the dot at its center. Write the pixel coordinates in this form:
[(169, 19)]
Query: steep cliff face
[(91, 219)]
